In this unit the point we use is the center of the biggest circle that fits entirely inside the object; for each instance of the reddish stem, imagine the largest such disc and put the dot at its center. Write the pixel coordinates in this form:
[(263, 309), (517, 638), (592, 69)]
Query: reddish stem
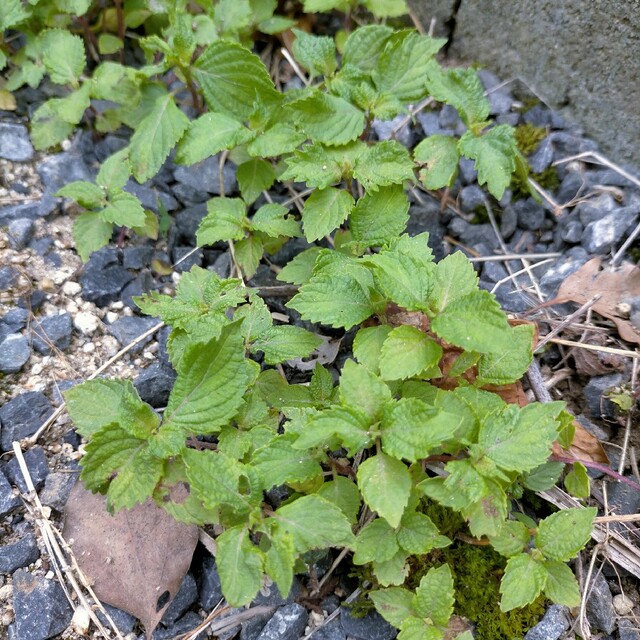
[(598, 467)]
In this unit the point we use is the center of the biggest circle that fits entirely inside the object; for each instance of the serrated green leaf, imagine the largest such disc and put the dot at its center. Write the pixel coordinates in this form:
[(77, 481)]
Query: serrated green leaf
[(509, 365), (324, 211), (279, 561), (90, 233), (394, 604), (317, 54), (344, 494), (233, 79), (512, 539), (379, 216), (402, 66), (544, 477), (115, 171), (255, 316), (85, 194), (385, 484), (71, 108), (48, 128), (412, 429), (249, 252), (113, 81), (339, 301), (362, 389), (462, 89), (224, 221), (300, 269), (155, 136), (279, 139), (94, 404), (321, 386), (367, 346), (212, 378), (113, 451), (454, 278), (124, 210), (495, 154), (314, 523), (434, 596), (392, 571), (440, 155), (519, 439), (12, 13), (474, 322), (419, 535), (408, 352), (240, 565), (273, 220), (418, 629), (363, 47), (577, 482), (108, 44), (376, 541), (63, 56), (561, 586), (386, 163), (486, 517), (73, 7), (210, 134), (327, 119), (254, 177), (563, 534), (278, 463), (279, 393), (523, 581), (281, 343)]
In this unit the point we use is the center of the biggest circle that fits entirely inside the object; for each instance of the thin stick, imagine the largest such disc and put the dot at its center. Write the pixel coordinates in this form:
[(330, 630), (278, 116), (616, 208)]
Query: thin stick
[(595, 347), (627, 431), (597, 158), (557, 208), (515, 256), (223, 159), (617, 258), (335, 614), (517, 273), (626, 517), (295, 67)]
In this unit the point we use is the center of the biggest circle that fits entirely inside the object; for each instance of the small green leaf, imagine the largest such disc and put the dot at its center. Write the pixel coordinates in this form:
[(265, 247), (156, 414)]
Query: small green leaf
[(454, 278), (279, 561), (108, 44), (282, 342), (387, 8), (47, 127), (233, 79), (495, 154), (563, 534), (434, 596), (339, 301), (376, 541), (63, 56), (90, 233), (392, 571), (363, 47), (115, 171), (544, 477), (279, 139), (379, 216), (523, 581), (249, 252), (210, 134), (440, 155), (224, 221), (85, 194), (408, 352), (71, 108), (314, 523), (419, 535), (124, 210), (300, 269), (362, 389), (12, 13), (344, 494), (240, 565), (385, 484), (394, 604), (512, 539), (509, 365), (561, 586), (324, 211), (317, 54), (386, 163), (277, 463), (273, 220), (155, 136), (254, 177), (576, 481)]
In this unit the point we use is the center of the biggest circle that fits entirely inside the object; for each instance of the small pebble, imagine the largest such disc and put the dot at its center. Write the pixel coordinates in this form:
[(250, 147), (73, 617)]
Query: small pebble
[(86, 323), (622, 604)]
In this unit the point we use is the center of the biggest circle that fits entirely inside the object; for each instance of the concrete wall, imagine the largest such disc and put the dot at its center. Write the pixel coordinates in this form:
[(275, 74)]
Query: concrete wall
[(581, 57)]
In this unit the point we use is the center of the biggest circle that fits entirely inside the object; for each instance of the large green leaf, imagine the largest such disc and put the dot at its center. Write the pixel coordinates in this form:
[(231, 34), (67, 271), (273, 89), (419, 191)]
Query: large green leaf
[(63, 56), (367, 346), (379, 216), (563, 534), (509, 365), (12, 13), (362, 389), (394, 604), (233, 79), (364, 46), (561, 586), (344, 494), (375, 542), (419, 535), (282, 342), (408, 352), (115, 171), (124, 210), (278, 463), (47, 127), (86, 194), (274, 220), (317, 54), (434, 596), (279, 139), (454, 277), (386, 163), (385, 484), (524, 579), (155, 136), (224, 221), (440, 156), (254, 176), (90, 233), (324, 211)]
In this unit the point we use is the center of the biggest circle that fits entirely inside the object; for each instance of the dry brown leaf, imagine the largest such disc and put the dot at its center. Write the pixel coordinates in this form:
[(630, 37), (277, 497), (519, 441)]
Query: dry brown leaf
[(585, 447), (614, 287), (7, 100), (136, 559), (597, 363)]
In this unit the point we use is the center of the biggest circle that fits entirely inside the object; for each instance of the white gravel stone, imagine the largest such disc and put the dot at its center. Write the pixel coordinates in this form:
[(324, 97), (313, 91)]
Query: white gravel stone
[(622, 604), (88, 347), (86, 323), (71, 288)]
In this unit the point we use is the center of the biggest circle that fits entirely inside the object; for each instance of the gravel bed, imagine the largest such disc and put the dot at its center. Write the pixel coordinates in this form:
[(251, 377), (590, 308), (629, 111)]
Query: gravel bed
[(61, 320)]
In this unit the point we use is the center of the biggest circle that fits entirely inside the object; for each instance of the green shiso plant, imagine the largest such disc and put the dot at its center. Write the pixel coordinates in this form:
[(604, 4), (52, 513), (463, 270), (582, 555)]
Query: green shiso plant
[(414, 419)]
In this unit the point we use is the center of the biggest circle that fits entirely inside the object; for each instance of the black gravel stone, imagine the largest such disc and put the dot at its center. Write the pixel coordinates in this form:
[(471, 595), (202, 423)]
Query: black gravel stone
[(8, 501), (137, 257), (8, 278), (128, 328), (530, 214), (36, 464), (602, 235), (150, 196), (372, 626), (57, 487), (57, 170), (628, 629), (40, 605), (155, 383), (187, 223), (542, 157), (103, 258), (20, 233), (204, 176), (41, 246), (22, 416), (14, 353), (188, 622), (209, 584), (102, 286), (472, 197), (595, 208), (561, 269), (600, 611), (15, 320), (555, 622), (11, 212), (34, 301), (187, 595), (570, 229), (567, 144), (287, 623), (137, 287), (123, 620), (19, 554), (538, 116), (572, 184), (430, 123), (332, 630), (52, 332), (508, 222), (394, 129), (185, 257), (599, 406), (468, 173), (15, 144), (109, 145)]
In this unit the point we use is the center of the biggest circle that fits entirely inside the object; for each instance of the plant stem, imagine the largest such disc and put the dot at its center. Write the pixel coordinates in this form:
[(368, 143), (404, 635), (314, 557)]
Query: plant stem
[(598, 467)]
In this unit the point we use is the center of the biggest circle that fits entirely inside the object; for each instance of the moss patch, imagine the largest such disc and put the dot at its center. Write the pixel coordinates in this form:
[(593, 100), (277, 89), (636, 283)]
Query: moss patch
[(529, 137)]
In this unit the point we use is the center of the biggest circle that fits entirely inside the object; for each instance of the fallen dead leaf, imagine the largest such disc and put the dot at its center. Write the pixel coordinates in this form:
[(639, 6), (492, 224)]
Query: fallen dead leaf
[(135, 559), (597, 363), (615, 286)]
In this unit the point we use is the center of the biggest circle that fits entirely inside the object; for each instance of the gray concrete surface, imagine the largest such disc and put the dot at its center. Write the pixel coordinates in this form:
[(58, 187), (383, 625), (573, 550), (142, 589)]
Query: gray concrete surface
[(581, 57)]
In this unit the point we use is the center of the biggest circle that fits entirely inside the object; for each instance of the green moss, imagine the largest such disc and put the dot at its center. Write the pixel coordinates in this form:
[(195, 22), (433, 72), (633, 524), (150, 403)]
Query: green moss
[(529, 137), (547, 179)]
